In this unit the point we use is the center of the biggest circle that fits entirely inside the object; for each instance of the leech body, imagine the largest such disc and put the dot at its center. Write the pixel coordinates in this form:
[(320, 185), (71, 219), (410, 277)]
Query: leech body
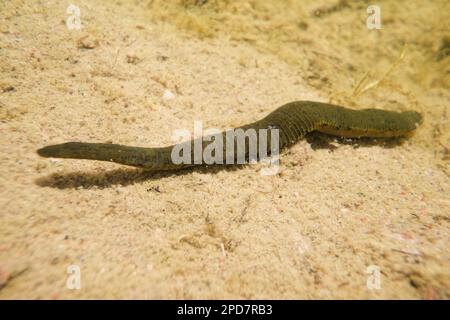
[(294, 120)]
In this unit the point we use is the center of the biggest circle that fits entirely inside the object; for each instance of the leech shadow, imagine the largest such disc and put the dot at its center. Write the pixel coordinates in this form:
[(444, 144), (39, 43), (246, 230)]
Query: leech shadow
[(124, 177), (128, 175), (319, 140)]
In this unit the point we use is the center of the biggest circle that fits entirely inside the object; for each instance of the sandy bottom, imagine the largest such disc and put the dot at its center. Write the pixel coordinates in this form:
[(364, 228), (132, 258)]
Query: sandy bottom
[(336, 218)]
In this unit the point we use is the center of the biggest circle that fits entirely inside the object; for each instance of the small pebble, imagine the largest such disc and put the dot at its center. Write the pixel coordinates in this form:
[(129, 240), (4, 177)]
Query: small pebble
[(87, 42), (168, 95)]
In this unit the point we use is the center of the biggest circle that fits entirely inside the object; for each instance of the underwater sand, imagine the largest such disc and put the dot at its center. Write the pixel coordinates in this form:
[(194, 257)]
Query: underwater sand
[(135, 73)]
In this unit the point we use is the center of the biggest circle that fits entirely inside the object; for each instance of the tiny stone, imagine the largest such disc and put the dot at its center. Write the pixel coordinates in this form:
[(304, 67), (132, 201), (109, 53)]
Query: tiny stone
[(168, 95)]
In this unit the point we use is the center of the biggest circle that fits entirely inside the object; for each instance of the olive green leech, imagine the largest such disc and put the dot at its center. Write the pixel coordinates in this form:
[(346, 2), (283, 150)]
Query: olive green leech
[(294, 120)]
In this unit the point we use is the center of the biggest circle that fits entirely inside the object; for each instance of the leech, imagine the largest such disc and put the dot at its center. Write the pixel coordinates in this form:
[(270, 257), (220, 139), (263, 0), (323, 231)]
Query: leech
[(294, 120)]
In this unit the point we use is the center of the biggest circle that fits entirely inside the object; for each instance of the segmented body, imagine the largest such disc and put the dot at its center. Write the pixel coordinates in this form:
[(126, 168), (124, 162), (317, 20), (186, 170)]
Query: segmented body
[(293, 120)]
